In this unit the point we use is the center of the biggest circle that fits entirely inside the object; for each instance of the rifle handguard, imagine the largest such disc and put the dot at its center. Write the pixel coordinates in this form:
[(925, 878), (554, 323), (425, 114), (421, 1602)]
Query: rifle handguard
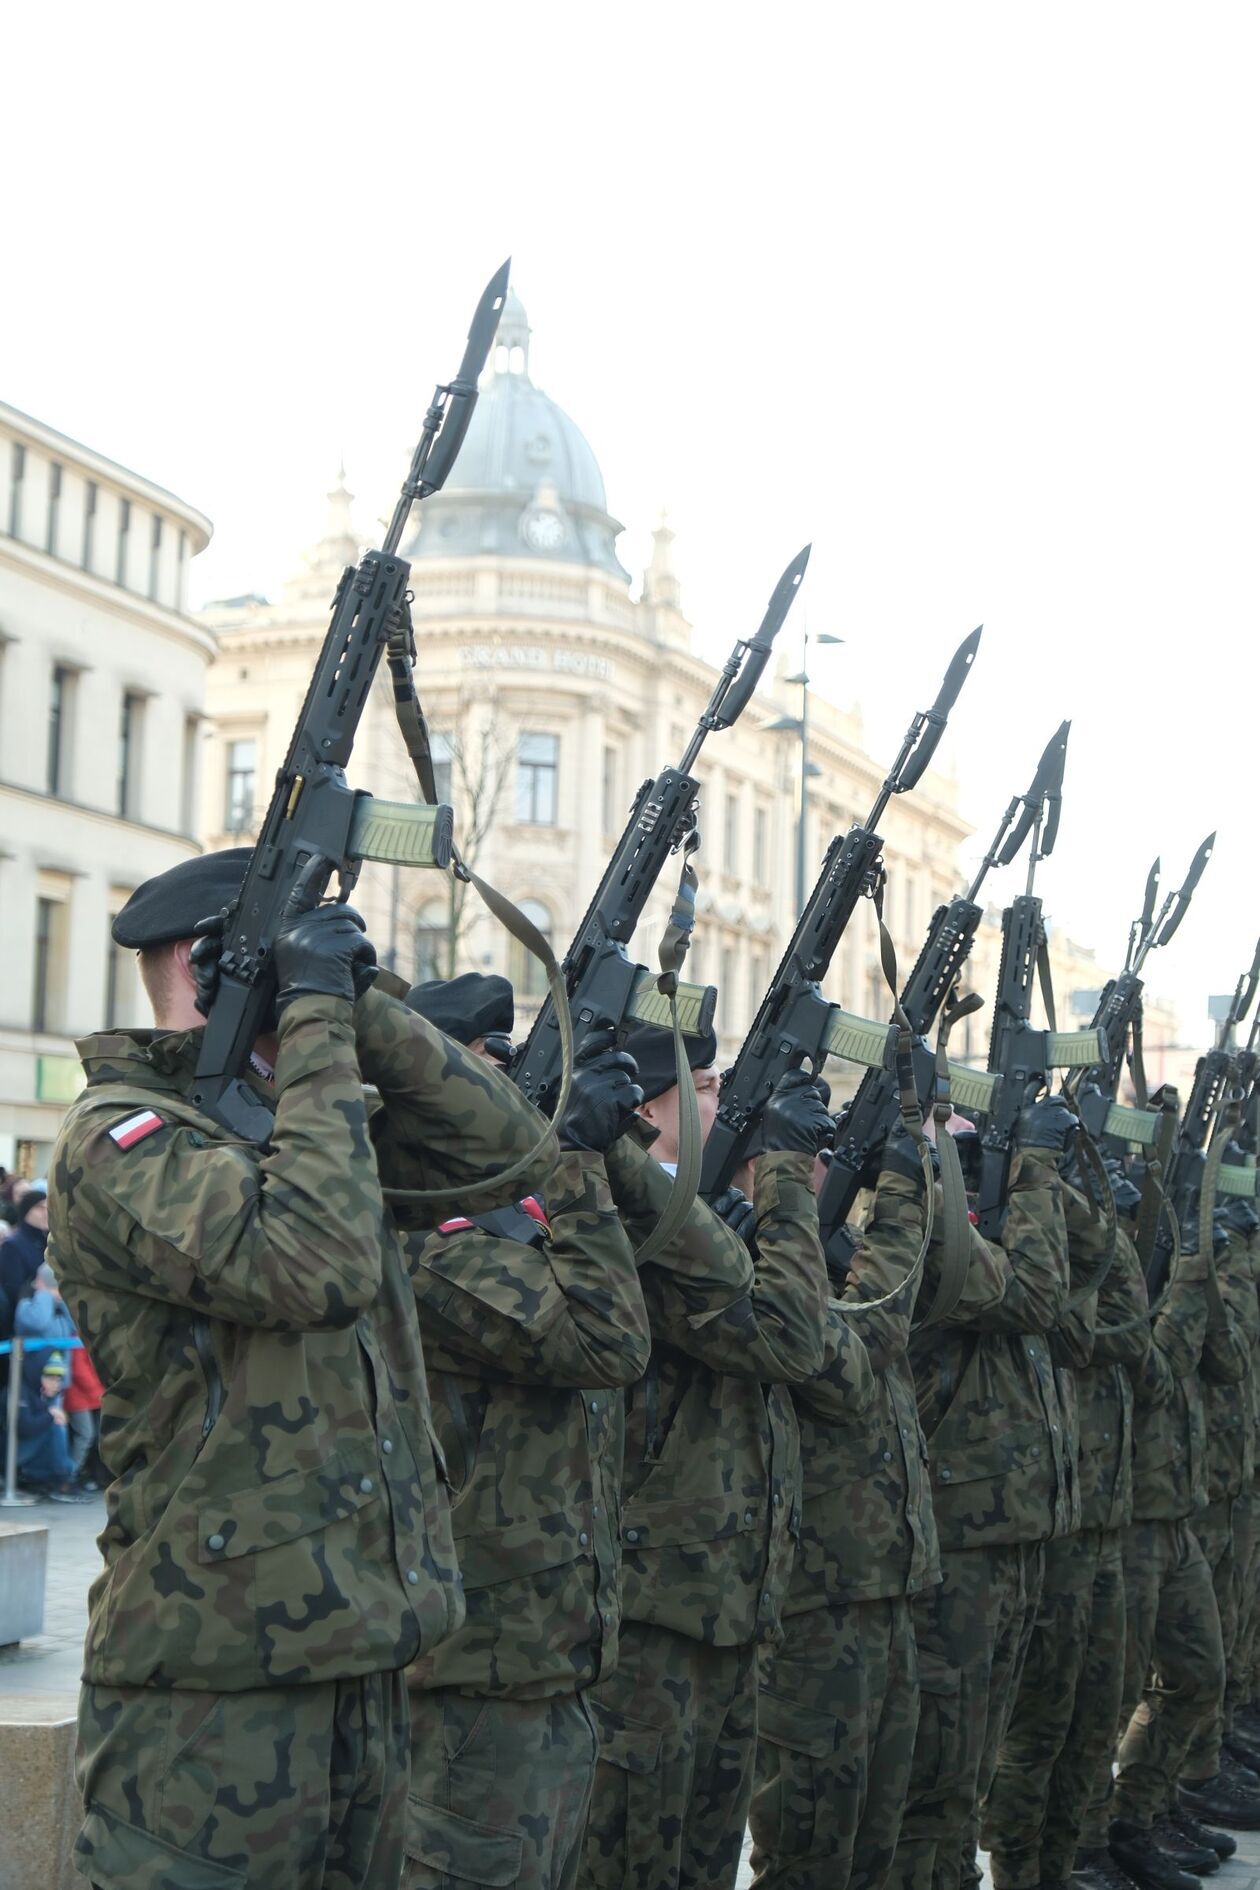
[(401, 833), (859, 1040)]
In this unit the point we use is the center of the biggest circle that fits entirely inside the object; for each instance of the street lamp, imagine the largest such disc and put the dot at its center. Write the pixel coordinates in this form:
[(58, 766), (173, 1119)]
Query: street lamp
[(800, 724)]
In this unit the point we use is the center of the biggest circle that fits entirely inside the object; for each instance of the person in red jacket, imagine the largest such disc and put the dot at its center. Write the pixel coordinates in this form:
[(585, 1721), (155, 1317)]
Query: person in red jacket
[(82, 1406)]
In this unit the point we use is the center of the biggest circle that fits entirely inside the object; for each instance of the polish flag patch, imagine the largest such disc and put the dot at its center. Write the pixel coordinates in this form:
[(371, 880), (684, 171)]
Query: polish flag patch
[(135, 1128)]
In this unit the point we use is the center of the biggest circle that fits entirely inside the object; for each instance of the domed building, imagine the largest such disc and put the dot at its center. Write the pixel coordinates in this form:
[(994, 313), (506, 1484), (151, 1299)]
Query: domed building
[(552, 692)]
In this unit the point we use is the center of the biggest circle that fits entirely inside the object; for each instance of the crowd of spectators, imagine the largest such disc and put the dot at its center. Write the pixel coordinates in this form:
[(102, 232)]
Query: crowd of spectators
[(59, 1397)]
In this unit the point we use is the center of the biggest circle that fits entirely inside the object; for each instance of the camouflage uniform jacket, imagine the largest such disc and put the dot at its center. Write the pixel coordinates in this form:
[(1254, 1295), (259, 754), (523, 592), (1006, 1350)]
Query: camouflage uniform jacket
[(526, 1346), (988, 1399), (1170, 1443), (1228, 1379), (1104, 1391), (278, 1514), (711, 1485), (867, 1529)]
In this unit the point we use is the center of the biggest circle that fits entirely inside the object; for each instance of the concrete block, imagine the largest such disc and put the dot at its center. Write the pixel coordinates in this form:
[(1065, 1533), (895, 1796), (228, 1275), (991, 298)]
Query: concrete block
[(40, 1811), (23, 1571)]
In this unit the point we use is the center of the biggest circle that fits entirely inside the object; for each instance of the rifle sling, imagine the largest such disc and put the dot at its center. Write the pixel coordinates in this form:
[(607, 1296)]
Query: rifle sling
[(1100, 1196), (400, 656)]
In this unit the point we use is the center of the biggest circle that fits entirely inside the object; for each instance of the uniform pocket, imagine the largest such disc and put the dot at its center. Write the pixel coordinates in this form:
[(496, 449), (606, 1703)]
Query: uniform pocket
[(629, 1744), (115, 1855), (784, 1722), (938, 1744), (450, 1850)]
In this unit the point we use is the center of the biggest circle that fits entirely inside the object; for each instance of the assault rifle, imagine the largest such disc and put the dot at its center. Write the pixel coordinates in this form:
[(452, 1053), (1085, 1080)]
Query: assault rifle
[(1021, 1057), (600, 977), (1118, 1015), (1190, 1184), (793, 1025), (316, 824), (864, 1124)]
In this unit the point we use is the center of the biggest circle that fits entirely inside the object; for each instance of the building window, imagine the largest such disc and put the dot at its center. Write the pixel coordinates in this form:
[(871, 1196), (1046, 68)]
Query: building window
[(183, 570), (60, 716), (443, 749), (730, 834), (130, 735), (537, 764), (761, 846), (48, 998), (54, 507), (528, 977), (727, 998), (89, 524), (155, 556), (242, 759), (188, 775), (15, 489), (612, 800), (433, 941), (124, 536)]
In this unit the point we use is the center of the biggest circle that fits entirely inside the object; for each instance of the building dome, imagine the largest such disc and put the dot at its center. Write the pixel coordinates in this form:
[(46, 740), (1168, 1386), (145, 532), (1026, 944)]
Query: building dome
[(526, 483)]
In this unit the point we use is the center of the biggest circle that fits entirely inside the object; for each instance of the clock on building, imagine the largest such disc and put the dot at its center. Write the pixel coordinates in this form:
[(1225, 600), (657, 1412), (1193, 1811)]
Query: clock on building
[(543, 529)]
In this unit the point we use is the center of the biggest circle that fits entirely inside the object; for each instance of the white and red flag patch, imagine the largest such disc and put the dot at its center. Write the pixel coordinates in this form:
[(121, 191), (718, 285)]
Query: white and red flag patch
[(135, 1128)]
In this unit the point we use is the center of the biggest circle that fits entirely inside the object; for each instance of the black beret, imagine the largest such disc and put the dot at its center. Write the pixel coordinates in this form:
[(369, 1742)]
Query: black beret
[(469, 1006), (653, 1050), (171, 905)]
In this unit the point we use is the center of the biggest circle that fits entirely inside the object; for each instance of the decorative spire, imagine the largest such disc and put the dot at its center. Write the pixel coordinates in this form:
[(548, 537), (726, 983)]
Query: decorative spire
[(660, 581), (337, 546), (511, 346)]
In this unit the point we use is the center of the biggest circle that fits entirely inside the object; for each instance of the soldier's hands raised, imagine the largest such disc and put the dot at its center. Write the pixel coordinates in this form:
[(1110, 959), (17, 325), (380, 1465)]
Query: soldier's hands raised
[(604, 1094), (1047, 1123), (796, 1116), (320, 950), (737, 1211)]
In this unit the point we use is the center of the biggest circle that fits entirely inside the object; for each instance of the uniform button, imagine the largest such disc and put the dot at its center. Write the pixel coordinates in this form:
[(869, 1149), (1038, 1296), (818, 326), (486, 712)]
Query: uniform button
[(1054, 1427), (888, 1456), (1036, 1450), (366, 1485), (1106, 1437), (594, 1404), (607, 1620), (584, 1539), (215, 1542), (778, 1499), (943, 1475), (386, 1445), (748, 1515), (632, 1535), (412, 1577)]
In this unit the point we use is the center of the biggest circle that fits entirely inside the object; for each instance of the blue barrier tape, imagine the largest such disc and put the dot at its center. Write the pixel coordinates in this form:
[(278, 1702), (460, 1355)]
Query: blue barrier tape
[(39, 1345)]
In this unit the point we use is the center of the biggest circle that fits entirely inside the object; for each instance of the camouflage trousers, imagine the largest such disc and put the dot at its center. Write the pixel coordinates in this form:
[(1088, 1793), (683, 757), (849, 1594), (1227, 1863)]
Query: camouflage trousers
[(677, 1725), (1241, 1680), (285, 1788), (1062, 1727), (836, 1716), (1214, 1527), (971, 1634), (1174, 1670), (499, 1791)]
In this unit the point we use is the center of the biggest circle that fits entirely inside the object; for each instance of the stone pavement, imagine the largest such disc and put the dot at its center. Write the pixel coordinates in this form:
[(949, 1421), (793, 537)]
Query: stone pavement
[(48, 1669)]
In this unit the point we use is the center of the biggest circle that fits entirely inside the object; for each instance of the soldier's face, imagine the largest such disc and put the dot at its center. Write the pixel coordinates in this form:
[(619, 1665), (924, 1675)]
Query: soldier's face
[(662, 1112)]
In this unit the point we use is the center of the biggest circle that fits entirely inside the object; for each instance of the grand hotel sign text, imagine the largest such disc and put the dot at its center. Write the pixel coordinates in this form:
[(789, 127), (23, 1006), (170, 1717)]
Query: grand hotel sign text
[(532, 656)]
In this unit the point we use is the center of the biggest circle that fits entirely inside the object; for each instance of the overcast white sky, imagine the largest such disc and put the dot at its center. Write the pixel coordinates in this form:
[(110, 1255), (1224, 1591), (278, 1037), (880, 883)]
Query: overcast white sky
[(966, 293)]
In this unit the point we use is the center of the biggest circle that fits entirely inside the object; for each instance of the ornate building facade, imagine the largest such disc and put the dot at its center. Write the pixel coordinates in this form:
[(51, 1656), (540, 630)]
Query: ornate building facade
[(553, 691), (102, 679)]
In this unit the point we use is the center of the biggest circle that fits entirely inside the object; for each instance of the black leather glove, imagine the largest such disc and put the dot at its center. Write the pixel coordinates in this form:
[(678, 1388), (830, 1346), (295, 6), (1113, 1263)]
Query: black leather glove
[(320, 951), (498, 1045), (796, 1116), (900, 1154), (1220, 1234), (737, 1211), (1047, 1123), (604, 1094), (1239, 1215), (204, 958), (1127, 1197)]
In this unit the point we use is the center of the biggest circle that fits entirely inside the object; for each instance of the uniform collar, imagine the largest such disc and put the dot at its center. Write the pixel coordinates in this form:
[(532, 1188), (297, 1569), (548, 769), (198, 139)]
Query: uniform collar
[(151, 1059)]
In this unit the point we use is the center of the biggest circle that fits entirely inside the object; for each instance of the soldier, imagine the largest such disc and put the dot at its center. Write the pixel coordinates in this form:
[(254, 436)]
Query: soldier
[(278, 1545), (1173, 1664), (710, 1499), (1002, 1486), (1242, 1723), (1063, 1725), (839, 1701), (532, 1319)]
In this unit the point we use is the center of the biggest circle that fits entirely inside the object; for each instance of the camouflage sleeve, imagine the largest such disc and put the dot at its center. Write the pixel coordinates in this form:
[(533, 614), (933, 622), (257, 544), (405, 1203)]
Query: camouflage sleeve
[(288, 1240), (988, 1269), (570, 1312), (447, 1119), (1227, 1342), (1177, 1335), (1123, 1334), (1034, 1240), (705, 1296), (857, 1348), (1072, 1338)]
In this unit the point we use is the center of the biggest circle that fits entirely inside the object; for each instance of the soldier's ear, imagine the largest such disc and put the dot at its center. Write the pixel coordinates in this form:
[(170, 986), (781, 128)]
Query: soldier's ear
[(181, 965)]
